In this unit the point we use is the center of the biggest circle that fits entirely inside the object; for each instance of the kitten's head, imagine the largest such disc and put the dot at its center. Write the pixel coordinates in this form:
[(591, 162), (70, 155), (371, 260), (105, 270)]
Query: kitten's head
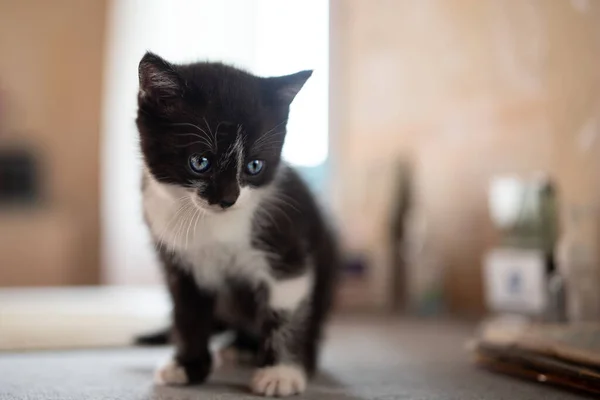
[(212, 131)]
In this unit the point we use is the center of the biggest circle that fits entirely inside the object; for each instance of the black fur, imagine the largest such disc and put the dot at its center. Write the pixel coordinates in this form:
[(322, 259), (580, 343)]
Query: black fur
[(174, 100)]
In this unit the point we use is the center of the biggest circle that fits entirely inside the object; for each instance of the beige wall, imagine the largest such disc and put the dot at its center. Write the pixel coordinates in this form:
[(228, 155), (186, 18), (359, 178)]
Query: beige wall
[(50, 76), (466, 89)]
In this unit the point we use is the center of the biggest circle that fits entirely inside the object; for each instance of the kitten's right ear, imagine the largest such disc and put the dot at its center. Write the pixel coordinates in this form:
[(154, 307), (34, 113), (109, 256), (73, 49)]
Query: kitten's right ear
[(283, 89), (158, 78)]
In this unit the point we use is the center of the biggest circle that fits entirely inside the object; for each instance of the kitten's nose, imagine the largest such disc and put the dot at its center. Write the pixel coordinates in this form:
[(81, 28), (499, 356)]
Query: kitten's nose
[(226, 203), (229, 195)]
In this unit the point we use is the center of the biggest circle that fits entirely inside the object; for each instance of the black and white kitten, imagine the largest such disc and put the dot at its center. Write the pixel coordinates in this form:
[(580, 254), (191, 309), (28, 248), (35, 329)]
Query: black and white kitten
[(241, 239)]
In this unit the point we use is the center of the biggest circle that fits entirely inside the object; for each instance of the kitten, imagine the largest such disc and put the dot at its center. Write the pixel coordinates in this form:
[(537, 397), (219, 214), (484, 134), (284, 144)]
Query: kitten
[(240, 237)]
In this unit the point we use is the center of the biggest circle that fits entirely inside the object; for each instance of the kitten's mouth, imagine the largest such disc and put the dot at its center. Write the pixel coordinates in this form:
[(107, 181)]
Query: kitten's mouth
[(204, 206), (199, 204)]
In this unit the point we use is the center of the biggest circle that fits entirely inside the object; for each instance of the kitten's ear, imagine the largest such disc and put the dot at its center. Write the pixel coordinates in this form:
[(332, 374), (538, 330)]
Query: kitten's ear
[(158, 78), (285, 88)]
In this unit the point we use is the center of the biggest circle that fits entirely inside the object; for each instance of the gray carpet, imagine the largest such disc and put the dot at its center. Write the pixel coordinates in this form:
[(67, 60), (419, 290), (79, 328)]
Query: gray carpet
[(363, 359)]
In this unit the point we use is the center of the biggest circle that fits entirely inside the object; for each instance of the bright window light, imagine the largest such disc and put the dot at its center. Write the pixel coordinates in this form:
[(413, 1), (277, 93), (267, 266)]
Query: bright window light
[(290, 36)]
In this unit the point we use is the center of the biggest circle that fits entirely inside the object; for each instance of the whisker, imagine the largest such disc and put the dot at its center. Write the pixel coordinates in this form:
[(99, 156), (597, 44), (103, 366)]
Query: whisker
[(265, 213), (269, 139), (273, 142), (281, 197), (217, 130), (181, 226), (192, 134), (216, 141), (171, 220), (204, 142), (282, 211), (269, 132), (200, 216), (207, 136), (267, 147), (275, 127), (188, 124), (187, 233)]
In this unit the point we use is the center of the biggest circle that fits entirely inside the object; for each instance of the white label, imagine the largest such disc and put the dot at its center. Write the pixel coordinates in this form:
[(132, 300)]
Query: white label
[(515, 280)]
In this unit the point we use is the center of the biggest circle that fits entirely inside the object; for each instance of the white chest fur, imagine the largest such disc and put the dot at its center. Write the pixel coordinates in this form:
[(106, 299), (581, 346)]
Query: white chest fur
[(215, 246)]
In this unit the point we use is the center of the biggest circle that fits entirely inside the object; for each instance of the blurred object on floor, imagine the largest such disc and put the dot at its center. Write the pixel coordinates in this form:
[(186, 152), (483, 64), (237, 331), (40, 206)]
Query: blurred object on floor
[(565, 355), (520, 271), (67, 318)]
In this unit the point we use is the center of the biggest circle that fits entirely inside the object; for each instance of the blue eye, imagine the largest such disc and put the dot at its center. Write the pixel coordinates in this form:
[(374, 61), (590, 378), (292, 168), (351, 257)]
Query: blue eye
[(199, 164), (254, 167)]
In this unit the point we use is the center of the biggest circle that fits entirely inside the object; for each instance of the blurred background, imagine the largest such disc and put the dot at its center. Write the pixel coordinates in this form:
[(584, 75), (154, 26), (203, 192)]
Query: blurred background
[(455, 145)]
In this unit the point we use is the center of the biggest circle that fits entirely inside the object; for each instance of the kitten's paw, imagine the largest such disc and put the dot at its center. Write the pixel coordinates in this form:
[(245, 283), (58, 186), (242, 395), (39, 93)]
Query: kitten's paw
[(171, 373), (279, 380)]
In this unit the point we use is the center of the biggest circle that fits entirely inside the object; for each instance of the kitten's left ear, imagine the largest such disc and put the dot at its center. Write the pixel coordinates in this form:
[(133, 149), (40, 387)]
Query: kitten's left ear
[(158, 78), (285, 88)]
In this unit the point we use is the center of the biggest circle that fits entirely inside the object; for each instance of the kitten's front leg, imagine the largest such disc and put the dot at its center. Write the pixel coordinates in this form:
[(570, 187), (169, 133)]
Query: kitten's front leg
[(193, 319), (284, 358)]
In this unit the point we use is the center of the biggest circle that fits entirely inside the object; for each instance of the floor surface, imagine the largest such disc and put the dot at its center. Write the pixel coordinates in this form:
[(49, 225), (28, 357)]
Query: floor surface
[(363, 359)]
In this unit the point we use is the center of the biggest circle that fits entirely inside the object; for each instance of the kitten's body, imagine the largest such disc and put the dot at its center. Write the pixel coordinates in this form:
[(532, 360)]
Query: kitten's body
[(264, 266)]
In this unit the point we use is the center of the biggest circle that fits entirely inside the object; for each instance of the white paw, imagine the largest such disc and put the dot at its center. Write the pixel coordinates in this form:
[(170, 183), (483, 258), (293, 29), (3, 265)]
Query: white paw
[(170, 373), (280, 380)]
